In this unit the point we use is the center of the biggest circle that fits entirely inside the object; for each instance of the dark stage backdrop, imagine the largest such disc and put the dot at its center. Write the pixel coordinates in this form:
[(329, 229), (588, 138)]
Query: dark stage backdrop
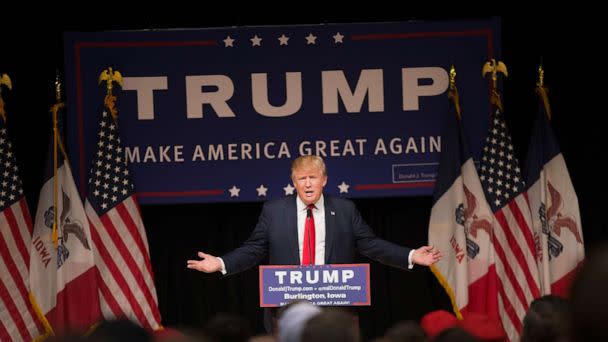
[(188, 298)]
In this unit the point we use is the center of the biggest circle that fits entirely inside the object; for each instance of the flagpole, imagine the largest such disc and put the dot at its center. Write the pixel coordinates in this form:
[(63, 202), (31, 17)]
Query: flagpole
[(542, 91), (54, 110)]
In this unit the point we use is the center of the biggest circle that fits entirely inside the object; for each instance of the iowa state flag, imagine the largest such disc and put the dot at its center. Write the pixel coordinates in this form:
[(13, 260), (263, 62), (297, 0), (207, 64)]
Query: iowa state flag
[(63, 277), (461, 227), (554, 207)]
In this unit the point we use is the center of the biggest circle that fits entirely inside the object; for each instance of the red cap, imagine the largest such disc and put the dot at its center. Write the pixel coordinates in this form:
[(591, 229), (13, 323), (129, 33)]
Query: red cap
[(437, 321), (167, 333), (483, 327)]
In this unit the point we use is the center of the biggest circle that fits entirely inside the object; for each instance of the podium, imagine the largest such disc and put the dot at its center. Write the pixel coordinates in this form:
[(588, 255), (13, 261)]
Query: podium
[(323, 285)]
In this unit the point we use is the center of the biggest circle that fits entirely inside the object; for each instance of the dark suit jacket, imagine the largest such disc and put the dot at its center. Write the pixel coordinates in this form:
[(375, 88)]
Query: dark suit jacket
[(276, 235)]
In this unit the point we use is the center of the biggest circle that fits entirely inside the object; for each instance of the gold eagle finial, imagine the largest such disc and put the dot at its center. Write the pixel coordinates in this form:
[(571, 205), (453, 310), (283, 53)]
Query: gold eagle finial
[(109, 76), (494, 67), (4, 80), (57, 87), (543, 91), (541, 76), (453, 92), (58, 104)]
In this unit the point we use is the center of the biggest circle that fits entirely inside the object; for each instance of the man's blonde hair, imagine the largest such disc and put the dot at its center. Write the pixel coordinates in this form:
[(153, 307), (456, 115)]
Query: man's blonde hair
[(305, 161)]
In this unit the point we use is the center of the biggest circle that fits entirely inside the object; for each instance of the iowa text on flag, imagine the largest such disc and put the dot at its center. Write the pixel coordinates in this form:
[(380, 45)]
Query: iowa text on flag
[(18, 318), (127, 285), (554, 207), (62, 272), (513, 239), (461, 226)]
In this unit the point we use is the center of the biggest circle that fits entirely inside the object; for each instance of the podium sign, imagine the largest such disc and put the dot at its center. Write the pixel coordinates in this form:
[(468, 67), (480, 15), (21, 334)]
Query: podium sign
[(325, 285)]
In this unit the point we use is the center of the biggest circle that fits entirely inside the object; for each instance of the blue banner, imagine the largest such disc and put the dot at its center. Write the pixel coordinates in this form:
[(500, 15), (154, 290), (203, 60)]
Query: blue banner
[(326, 285), (217, 115)]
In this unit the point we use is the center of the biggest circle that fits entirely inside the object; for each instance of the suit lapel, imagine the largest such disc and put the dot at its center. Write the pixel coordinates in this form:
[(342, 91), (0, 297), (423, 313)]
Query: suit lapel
[(291, 219), (330, 223)]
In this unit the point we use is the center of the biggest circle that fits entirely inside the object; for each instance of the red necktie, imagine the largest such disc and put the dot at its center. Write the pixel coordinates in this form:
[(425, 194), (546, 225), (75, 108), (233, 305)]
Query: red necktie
[(308, 254)]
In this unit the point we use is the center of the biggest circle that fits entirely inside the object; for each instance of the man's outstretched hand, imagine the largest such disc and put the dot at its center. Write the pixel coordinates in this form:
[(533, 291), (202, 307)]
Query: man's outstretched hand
[(426, 256), (207, 264)]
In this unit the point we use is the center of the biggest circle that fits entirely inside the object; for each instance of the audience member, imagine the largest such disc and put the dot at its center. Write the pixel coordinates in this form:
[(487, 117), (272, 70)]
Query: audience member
[(589, 303), (455, 334), (227, 327), (331, 325), (548, 319), (120, 330), (406, 331), (262, 338), (292, 318)]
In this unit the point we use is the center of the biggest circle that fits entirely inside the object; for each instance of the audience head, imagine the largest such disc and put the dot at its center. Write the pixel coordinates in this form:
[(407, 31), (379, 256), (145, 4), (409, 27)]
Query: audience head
[(406, 331), (455, 334), (548, 319), (331, 325), (168, 334), (589, 305), (120, 330), (227, 327), (69, 337), (262, 338), (292, 318)]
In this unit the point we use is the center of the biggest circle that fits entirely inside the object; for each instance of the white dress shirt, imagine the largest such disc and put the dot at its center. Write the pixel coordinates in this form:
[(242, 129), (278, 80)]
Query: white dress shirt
[(318, 213)]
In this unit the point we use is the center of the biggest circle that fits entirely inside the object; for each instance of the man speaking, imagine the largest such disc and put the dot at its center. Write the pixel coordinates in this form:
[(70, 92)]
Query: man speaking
[(312, 228)]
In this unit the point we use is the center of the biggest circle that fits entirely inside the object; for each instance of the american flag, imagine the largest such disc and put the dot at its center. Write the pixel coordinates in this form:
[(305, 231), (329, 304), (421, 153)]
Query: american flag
[(18, 319), (515, 252), (127, 284)]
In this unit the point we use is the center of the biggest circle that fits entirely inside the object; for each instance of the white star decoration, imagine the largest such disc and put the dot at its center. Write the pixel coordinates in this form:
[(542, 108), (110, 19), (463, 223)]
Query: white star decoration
[(228, 42), (311, 39), (338, 38), (261, 190), (283, 39), (343, 188), (289, 189), (234, 191), (256, 41)]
